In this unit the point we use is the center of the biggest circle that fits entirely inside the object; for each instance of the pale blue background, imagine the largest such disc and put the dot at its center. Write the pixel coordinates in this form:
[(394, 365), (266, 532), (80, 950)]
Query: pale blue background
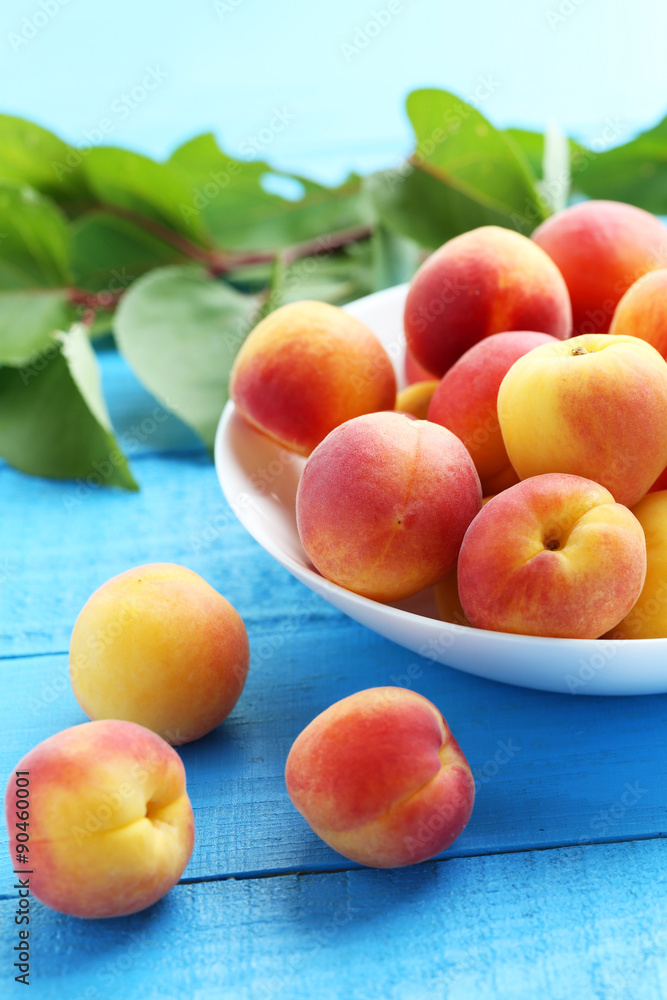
[(229, 68)]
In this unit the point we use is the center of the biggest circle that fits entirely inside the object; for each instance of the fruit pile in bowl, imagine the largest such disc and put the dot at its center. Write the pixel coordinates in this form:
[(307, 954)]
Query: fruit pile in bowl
[(503, 511)]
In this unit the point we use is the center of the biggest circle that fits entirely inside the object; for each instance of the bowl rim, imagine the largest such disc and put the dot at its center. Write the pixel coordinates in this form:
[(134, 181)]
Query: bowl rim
[(480, 646), (321, 583)]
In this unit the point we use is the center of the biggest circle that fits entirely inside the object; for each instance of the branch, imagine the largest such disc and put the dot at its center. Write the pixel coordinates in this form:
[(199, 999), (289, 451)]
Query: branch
[(94, 300), (216, 262), (219, 262)]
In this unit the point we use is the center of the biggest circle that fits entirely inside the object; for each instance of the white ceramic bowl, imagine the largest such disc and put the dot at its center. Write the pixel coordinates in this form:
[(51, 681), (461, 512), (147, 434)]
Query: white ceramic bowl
[(259, 479)]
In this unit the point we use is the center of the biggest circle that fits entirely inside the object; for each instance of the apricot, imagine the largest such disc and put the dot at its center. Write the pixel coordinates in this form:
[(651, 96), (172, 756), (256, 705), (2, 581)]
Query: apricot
[(158, 646), (381, 779), (601, 248), (642, 312), (111, 826), (647, 619), (305, 369), (416, 398), (448, 601), (384, 502), (446, 593), (466, 402), (660, 483), (414, 372), (593, 406), (486, 281), (552, 556)]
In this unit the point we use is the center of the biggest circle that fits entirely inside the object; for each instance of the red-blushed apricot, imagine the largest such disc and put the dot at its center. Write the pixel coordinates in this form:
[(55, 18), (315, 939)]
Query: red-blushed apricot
[(446, 593), (592, 406), (487, 281), (466, 402), (381, 779), (642, 312), (502, 481), (660, 483), (552, 556), (601, 248), (305, 369), (448, 601), (111, 826), (416, 398), (158, 646), (384, 502), (414, 372), (647, 619)]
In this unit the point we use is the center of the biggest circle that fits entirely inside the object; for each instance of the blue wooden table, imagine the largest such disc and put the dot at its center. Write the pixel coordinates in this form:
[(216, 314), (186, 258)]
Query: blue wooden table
[(556, 889)]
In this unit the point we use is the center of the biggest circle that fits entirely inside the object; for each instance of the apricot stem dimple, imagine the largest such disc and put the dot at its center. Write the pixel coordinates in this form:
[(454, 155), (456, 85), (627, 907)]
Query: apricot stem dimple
[(578, 349), (551, 543)]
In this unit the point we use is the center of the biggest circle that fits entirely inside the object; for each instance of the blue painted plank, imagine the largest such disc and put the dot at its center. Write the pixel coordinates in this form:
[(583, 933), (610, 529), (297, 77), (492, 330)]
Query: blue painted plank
[(564, 777), (141, 423), (60, 541), (571, 924), (550, 769), (564, 780)]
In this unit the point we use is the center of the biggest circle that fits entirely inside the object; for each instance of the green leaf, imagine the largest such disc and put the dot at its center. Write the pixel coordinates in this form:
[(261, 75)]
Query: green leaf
[(34, 270), (531, 145), (240, 214), (395, 259), (34, 243), (36, 157), (180, 331), (419, 207), (109, 252), (138, 185), (53, 420), (28, 321), (337, 278), (457, 144), (635, 172), (476, 175)]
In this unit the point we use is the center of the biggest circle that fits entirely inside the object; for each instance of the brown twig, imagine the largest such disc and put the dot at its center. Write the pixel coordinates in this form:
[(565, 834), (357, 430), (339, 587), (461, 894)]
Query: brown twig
[(219, 262), (216, 262), (94, 300)]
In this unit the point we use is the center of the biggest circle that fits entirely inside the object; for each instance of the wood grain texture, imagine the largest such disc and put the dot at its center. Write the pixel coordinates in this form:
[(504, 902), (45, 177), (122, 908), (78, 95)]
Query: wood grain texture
[(550, 770), (571, 924), (580, 769)]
